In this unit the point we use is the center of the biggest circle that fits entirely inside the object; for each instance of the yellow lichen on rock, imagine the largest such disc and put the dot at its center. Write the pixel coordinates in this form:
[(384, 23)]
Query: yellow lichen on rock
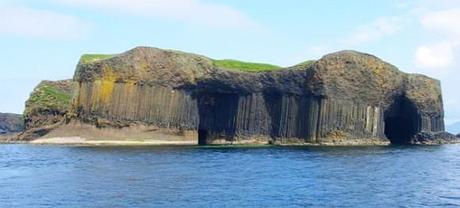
[(107, 85)]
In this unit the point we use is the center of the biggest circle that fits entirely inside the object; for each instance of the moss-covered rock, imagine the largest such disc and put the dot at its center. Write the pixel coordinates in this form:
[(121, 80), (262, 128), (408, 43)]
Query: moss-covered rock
[(48, 103), (89, 58)]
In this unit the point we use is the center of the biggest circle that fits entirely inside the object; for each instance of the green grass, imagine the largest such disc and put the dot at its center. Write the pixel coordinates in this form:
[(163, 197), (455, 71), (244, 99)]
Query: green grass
[(236, 65), (89, 58), (49, 97)]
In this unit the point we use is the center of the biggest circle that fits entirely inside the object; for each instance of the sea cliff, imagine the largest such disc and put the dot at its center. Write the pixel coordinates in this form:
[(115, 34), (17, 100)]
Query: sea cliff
[(344, 98)]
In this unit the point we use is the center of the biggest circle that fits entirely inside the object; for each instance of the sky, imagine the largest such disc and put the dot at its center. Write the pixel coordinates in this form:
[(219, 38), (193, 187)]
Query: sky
[(43, 39)]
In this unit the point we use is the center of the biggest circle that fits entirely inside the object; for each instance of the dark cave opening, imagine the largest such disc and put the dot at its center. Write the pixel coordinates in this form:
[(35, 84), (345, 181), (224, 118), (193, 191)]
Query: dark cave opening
[(217, 116), (202, 136), (401, 121)]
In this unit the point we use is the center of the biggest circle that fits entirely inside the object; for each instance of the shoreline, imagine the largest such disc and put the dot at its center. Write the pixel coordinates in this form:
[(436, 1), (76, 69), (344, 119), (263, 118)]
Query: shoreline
[(108, 142), (116, 143), (80, 141)]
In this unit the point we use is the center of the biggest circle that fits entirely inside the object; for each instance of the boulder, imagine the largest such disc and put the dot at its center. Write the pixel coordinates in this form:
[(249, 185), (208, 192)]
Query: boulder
[(434, 138)]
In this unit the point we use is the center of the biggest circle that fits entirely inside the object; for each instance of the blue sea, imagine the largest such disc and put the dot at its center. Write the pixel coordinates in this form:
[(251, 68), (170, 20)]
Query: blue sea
[(177, 176)]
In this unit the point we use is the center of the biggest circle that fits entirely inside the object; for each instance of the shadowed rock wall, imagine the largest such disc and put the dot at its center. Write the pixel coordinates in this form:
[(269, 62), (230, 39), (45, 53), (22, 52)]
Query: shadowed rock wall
[(259, 118)]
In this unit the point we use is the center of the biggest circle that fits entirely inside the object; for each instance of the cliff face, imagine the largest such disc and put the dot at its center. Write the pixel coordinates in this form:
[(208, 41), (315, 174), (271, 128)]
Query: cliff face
[(47, 106), (344, 98), (395, 105), (10, 123)]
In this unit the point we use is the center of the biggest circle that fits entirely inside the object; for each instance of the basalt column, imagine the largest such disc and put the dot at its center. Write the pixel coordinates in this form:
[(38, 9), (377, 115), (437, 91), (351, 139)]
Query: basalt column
[(128, 102), (293, 118), (344, 121), (233, 118)]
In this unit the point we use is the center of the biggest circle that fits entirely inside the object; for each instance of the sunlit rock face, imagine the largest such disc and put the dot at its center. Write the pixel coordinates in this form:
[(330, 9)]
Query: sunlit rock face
[(344, 98)]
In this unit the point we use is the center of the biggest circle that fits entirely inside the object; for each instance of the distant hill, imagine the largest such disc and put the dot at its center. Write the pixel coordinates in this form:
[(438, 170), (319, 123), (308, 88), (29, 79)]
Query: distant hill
[(10, 123), (453, 128)]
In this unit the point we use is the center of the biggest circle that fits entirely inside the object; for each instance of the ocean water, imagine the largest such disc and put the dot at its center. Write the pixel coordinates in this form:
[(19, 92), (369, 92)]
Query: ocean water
[(393, 176)]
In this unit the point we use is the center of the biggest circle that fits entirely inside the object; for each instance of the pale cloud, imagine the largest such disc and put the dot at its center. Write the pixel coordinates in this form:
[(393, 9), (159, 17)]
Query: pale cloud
[(442, 54), (27, 22), (437, 4), (376, 30), (440, 19), (189, 11), (435, 56), (444, 21)]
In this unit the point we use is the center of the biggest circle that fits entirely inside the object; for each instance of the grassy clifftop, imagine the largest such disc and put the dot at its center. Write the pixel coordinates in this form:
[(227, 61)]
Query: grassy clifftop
[(88, 58), (50, 96), (236, 65), (225, 64), (46, 107)]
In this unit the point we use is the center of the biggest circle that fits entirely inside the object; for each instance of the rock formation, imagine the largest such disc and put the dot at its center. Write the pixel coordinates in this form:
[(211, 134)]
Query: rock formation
[(10, 123), (344, 98), (46, 108)]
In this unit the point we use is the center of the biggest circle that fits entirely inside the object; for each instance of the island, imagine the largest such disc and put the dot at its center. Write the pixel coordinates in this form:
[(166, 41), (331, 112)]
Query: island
[(10, 123), (173, 97)]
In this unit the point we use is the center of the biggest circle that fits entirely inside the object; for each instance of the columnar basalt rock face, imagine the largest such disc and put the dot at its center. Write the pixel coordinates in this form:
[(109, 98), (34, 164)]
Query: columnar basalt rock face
[(132, 102), (344, 98)]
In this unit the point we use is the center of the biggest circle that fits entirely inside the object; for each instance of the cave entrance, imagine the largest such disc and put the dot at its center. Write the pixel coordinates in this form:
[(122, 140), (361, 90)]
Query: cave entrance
[(202, 136), (400, 121)]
